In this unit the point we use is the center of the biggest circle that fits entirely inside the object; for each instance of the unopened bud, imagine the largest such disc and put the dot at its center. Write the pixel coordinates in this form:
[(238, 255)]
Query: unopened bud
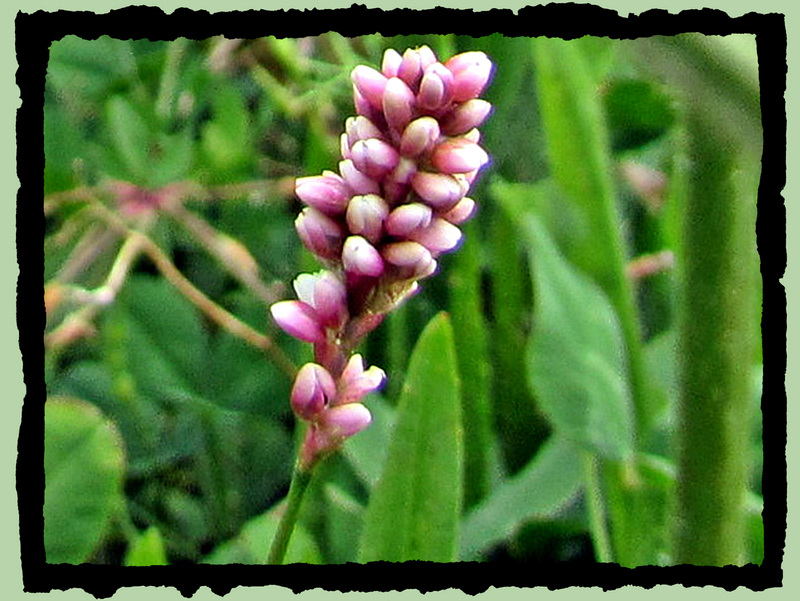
[(419, 136), (365, 216), (436, 88), (440, 190), (298, 319), (327, 193), (471, 72), (439, 237), (406, 218), (319, 233), (370, 84), (361, 258), (462, 212), (344, 421), (358, 182), (326, 293), (373, 157), (391, 62), (466, 116), (458, 155), (313, 391), (398, 104)]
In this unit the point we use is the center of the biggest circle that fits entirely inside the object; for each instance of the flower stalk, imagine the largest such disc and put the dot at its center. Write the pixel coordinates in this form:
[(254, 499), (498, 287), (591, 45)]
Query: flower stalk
[(378, 226)]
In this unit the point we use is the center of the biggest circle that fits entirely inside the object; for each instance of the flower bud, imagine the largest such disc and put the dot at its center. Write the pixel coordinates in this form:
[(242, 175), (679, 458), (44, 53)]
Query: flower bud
[(298, 319), (436, 88), (360, 257), (358, 182), (365, 216), (326, 293), (471, 72), (458, 155), (419, 136), (411, 259), (439, 190), (361, 128), (314, 389), (406, 218), (413, 64), (465, 116), (327, 192), (319, 233), (365, 108), (398, 104), (356, 382), (373, 157), (391, 62), (344, 421), (462, 212), (370, 84), (439, 237)]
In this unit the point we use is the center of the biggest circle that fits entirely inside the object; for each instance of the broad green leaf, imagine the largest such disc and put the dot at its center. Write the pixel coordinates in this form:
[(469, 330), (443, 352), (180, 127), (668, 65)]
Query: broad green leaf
[(576, 357), (147, 550), (344, 519), (638, 113), (251, 545), (84, 463), (367, 452), (543, 487), (414, 509)]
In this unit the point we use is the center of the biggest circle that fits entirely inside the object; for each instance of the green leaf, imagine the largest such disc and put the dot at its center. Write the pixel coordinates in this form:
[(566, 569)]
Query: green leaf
[(638, 113), (576, 356), (147, 550), (539, 491), (413, 513), (130, 138), (251, 545), (84, 464)]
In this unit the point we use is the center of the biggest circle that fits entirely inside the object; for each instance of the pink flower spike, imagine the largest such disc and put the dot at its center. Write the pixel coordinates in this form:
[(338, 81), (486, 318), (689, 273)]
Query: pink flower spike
[(439, 190), (408, 217), (344, 421), (360, 257), (462, 212), (398, 104), (314, 389), (358, 182), (391, 62), (369, 83), (319, 233), (298, 319), (365, 216), (471, 72), (373, 157), (458, 155), (439, 237), (436, 88), (327, 192), (419, 137)]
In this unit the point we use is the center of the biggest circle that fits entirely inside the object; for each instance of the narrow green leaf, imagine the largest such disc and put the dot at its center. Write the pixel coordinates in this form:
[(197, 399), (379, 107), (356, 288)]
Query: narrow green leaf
[(83, 466), (576, 357), (543, 487), (414, 509), (147, 550), (130, 138)]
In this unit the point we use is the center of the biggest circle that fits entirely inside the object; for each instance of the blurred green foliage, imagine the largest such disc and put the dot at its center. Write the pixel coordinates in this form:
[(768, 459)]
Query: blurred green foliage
[(196, 440)]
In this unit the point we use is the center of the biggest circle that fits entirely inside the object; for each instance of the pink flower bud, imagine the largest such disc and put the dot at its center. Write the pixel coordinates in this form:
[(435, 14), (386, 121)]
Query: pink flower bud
[(298, 319), (439, 237), (466, 116), (344, 421), (413, 64), (373, 157), (319, 233), (436, 88), (406, 218), (365, 216), (462, 212), (361, 128), (370, 84), (391, 62), (411, 259), (440, 190), (365, 108), (419, 137), (361, 258), (357, 181), (327, 192), (471, 72), (356, 382), (326, 293), (398, 104), (314, 389), (458, 155)]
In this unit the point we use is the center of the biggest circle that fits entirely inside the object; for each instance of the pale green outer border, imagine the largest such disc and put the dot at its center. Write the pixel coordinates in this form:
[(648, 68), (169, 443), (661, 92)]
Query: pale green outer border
[(11, 365)]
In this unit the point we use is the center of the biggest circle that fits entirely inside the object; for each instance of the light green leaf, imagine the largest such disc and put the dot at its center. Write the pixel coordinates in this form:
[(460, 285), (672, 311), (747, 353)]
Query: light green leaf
[(83, 465), (543, 487), (414, 509), (147, 550), (251, 545), (576, 356)]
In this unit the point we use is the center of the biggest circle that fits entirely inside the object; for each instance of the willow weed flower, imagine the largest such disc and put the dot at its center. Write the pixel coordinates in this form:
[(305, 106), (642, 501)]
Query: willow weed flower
[(409, 158)]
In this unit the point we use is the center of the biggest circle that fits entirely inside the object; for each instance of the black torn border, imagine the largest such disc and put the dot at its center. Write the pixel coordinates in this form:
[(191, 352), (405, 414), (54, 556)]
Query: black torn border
[(34, 34)]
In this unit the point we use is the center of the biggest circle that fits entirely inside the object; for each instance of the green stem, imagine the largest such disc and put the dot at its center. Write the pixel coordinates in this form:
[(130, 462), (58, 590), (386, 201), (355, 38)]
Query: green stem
[(300, 480), (717, 338), (597, 512)]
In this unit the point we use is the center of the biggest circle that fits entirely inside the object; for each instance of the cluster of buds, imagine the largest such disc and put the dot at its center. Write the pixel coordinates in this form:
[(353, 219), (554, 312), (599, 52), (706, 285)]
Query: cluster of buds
[(409, 158)]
